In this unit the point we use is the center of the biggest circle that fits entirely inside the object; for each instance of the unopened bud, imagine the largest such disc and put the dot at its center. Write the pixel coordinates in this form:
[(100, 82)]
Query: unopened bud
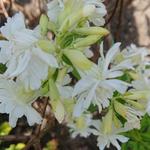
[(136, 104), (107, 122), (58, 110), (78, 59), (46, 45), (43, 24), (120, 109), (92, 31), (87, 41)]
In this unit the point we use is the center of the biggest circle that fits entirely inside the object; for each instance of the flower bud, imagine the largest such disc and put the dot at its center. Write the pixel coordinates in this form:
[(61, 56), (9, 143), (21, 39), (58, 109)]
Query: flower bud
[(58, 110), (136, 104), (73, 19), (51, 26), (134, 75), (92, 31), (116, 121), (46, 45), (87, 41), (107, 122), (53, 91), (137, 95), (43, 24), (78, 59), (61, 75), (120, 109)]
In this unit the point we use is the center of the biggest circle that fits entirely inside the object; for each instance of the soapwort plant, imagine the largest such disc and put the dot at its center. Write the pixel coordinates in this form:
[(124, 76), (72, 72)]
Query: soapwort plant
[(52, 62)]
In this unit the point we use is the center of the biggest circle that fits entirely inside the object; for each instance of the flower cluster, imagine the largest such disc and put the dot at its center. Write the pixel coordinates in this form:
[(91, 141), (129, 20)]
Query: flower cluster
[(53, 60)]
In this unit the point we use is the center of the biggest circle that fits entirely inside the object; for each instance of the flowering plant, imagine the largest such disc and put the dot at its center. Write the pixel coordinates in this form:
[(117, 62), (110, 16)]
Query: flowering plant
[(52, 62)]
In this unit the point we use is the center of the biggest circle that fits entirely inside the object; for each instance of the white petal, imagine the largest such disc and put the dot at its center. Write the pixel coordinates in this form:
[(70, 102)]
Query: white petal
[(90, 95), (22, 64), (111, 54), (47, 58), (118, 85), (16, 23), (113, 74), (33, 116), (12, 120), (78, 108), (82, 85)]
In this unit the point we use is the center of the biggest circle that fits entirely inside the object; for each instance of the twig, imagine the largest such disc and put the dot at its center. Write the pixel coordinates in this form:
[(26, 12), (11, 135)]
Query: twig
[(43, 115), (4, 9), (113, 13), (35, 139), (14, 138)]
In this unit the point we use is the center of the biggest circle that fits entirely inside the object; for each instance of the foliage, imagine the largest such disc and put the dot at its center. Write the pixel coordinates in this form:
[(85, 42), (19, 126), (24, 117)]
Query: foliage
[(139, 139)]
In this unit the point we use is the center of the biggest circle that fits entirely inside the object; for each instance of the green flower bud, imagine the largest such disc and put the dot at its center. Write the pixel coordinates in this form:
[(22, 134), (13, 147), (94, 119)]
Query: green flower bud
[(58, 110), (120, 109), (74, 18), (87, 41), (61, 75), (52, 26), (116, 121), (134, 75), (92, 31), (136, 104), (46, 45), (107, 122), (78, 59), (43, 24), (53, 91), (142, 95)]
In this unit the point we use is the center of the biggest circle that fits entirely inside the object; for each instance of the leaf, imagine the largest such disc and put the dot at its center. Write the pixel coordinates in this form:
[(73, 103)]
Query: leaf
[(19, 146), (139, 139), (2, 68), (5, 129)]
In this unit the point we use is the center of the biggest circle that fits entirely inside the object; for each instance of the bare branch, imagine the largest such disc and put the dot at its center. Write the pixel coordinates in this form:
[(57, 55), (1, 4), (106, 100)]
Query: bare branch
[(14, 138)]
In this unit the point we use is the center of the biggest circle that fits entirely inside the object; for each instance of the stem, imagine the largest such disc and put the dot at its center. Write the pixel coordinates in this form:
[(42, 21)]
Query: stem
[(35, 139), (14, 138)]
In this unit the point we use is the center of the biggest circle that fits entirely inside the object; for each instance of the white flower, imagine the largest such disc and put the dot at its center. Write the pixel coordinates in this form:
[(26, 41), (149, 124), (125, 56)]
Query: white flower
[(141, 92), (98, 17), (56, 6), (17, 103), (104, 140), (133, 117), (137, 55), (23, 58), (98, 88), (81, 126)]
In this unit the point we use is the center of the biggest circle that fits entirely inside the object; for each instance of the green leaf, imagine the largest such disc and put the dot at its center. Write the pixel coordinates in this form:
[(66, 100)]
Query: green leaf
[(5, 129), (19, 146), (2, 68), (139, 139)]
